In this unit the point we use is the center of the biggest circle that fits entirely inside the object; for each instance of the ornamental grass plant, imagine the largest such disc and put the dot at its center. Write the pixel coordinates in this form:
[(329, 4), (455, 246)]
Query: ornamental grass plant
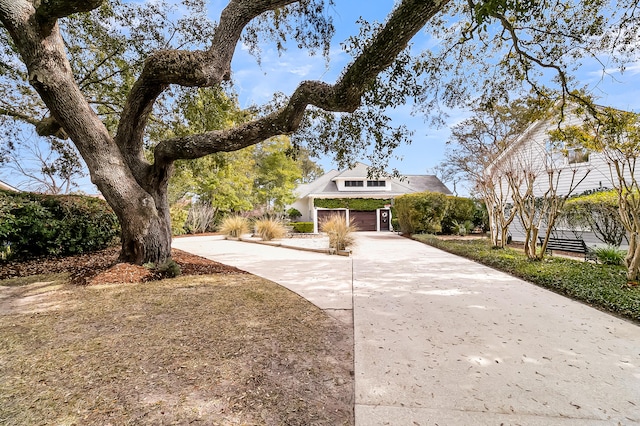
[(340, 231), (270, 229), (234, 226)]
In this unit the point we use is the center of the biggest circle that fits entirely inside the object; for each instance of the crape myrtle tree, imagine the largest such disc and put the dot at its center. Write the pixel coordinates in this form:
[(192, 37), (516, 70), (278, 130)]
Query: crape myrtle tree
[(615, 135), (476, 143), (63, 78)]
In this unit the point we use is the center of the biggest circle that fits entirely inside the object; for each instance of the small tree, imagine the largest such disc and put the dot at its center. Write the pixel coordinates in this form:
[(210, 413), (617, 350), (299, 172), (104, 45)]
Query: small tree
[(597, 211), (616, 135)]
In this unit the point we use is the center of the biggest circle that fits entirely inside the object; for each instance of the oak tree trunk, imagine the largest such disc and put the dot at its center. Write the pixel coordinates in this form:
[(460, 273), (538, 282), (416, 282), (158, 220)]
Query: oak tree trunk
[(146, 231)]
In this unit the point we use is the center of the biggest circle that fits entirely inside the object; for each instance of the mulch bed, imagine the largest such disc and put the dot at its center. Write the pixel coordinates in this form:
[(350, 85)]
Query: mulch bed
[(103, 267)]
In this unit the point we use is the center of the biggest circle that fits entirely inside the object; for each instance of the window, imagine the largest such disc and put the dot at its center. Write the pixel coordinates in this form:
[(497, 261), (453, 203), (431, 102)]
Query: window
[(561, 155), (353, 183), (376, 183), (577, 155)]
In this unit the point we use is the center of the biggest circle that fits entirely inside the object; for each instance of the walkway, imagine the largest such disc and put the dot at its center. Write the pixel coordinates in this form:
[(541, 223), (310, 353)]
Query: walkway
[(443, 340)]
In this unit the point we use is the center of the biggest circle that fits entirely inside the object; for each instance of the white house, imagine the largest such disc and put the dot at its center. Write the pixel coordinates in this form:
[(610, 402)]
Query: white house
[(356, 196), (7, 187), (575, 170)]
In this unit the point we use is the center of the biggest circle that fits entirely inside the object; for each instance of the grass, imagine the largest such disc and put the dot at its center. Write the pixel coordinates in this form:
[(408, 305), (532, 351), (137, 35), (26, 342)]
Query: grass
[(218, 349), (602, 286), (270, 229), (339, 231), (234, 226)]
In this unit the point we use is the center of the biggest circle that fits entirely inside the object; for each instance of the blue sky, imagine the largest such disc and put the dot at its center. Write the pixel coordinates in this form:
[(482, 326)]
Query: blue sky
[(256, 84)]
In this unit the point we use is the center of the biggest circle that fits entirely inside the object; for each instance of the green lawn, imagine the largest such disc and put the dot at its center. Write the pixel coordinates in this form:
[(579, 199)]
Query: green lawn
[(601, 286)]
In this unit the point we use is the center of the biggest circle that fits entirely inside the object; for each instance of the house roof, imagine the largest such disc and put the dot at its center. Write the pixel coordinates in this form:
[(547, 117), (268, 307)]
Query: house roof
[(8, 187), (326, 187), (358, 171)]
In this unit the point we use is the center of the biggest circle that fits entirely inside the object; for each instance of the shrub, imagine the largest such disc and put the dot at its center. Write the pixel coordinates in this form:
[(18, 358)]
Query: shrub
[(293, 213), (462, 228), (610, 255), (339, 231), (234, 226), (395, 224), (200, 218), (33, 225), (179, 214), (597, 211), (459, 211), (302, 227), (270, 229), (420, 212)]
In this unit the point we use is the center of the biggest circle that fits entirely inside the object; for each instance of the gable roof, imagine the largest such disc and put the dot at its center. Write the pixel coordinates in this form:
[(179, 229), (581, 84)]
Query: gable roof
[(326, 187), (8, 187), (358, 171)]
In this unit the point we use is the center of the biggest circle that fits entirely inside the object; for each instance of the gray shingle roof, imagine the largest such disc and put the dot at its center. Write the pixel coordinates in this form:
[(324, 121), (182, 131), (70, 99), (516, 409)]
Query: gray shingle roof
[(325, 186)]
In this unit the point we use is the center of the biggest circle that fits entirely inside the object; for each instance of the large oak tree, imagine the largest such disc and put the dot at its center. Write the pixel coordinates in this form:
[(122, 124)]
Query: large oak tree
[(111, 136), (135, 187)]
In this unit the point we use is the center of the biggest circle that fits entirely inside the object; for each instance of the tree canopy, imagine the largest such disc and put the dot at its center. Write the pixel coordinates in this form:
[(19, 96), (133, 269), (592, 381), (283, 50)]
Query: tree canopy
[(108, 75)]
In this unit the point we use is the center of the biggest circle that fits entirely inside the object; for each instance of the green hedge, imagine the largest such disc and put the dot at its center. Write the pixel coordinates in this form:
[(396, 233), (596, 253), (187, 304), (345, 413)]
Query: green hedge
[(302, 227), (459, 211), (360, 204), (421, 212), (33, 225)]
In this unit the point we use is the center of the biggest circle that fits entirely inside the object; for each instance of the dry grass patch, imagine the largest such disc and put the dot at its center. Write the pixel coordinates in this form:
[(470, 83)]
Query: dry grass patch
[(211, 349)]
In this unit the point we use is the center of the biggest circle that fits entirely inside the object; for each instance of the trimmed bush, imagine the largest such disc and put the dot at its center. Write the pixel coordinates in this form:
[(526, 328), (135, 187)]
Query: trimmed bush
[(302, 227), (339, 231), (34, 225), (459, 211), (293, 213), (421, 212), (234, 226), (270, 229), (597, 211)]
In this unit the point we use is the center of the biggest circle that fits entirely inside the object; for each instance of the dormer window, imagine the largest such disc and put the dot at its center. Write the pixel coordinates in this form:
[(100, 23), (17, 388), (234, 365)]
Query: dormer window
[(376, 183), (353, 183)]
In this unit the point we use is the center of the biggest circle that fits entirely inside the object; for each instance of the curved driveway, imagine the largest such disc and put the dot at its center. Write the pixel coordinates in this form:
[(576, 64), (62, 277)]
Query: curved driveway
[(443, 340)]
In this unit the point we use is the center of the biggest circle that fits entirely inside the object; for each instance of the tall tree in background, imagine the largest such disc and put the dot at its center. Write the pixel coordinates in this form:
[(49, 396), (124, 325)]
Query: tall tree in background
[(478, 141), (276, 176), (104, 83)]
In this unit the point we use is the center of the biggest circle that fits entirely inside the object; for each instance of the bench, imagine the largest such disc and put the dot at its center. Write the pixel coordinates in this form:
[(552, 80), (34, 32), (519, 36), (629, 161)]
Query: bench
[(573, 246)]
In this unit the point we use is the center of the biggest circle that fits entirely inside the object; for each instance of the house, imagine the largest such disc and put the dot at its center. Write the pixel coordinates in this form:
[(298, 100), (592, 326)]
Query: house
[(351, 193), (6, 187), (573, 170)]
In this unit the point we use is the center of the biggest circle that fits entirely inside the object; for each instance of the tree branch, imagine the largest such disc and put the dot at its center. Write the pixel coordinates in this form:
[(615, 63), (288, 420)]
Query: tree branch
[(50, 10), (344, 96), (186, 68)]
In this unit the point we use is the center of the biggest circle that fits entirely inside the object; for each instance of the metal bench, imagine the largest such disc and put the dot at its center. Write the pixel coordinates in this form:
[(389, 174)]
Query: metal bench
[(566, 244)]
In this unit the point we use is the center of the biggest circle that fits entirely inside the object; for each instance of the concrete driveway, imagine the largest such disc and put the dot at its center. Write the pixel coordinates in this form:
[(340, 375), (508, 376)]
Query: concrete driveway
[(443, 340)]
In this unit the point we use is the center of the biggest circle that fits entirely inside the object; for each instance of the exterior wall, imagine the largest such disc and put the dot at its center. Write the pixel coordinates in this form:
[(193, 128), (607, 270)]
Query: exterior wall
[(340, 183), (532, 154), (305, 207)]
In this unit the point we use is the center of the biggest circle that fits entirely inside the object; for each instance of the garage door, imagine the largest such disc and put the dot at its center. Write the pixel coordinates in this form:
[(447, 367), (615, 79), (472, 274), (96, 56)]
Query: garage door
[(323, 215), (364, 221)]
